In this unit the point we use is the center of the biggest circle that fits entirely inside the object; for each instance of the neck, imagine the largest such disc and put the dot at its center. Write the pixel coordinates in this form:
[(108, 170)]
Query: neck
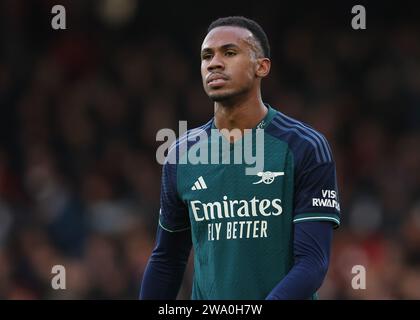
[(239, 114)]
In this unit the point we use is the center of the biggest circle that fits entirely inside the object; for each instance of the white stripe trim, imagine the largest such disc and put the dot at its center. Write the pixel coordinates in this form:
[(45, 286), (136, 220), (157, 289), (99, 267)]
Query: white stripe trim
[(203, 184), (319, 217), (172, 230)]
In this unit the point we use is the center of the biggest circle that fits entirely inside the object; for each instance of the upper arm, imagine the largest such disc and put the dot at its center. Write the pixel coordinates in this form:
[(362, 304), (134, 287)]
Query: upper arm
[(173, 214), (316, 191)]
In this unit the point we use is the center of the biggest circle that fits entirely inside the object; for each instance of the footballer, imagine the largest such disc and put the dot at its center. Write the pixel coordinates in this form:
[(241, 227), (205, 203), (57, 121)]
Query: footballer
[(265, 235)]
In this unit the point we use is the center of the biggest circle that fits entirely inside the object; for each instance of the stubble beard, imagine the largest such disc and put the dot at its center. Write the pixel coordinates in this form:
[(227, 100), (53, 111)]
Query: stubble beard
[(227, 96)]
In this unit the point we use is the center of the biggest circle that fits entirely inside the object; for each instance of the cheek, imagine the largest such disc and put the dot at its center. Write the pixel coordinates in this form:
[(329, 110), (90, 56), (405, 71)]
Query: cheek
[(247, 72), (203, 74), (203, 70)]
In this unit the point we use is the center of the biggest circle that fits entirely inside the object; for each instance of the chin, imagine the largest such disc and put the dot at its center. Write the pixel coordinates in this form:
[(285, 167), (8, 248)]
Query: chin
[(220, 96)]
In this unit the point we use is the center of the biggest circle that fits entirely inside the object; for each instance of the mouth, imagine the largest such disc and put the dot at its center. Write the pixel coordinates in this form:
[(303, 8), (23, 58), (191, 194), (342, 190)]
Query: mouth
[(217, 80)]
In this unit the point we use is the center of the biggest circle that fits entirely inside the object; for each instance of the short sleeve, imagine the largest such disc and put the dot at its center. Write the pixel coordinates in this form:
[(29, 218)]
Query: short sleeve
[(173, 215), (316, 191)]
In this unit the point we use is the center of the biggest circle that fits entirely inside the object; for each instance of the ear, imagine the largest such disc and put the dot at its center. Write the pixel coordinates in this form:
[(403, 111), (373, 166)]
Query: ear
[(263, 67)]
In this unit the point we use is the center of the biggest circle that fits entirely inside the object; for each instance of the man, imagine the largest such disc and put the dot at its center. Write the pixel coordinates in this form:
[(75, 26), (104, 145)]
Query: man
[(261, 236)]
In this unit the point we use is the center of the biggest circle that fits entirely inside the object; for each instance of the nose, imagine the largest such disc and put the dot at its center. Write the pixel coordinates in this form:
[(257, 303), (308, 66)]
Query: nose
[(216, 63)]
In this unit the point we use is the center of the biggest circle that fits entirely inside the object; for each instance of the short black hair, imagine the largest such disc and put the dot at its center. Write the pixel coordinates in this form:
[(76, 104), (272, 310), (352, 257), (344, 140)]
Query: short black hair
[(243, 22)]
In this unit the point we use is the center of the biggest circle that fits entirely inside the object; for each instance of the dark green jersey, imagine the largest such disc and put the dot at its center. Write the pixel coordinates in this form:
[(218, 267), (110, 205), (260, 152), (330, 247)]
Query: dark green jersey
[(241, 223)]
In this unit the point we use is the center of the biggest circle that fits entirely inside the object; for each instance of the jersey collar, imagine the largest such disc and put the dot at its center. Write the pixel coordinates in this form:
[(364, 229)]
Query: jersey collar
[(271, 113)]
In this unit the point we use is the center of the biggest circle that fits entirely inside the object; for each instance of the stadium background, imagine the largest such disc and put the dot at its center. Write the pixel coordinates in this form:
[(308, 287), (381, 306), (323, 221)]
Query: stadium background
[(80, 108)]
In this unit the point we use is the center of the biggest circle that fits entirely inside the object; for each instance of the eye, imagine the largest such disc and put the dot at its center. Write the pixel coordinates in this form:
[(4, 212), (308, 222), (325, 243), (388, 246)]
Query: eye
[(230, 53), (206, 56)]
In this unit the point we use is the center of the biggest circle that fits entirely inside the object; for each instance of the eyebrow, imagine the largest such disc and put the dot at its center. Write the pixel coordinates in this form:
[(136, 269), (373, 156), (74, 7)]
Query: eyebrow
[(224, 47)]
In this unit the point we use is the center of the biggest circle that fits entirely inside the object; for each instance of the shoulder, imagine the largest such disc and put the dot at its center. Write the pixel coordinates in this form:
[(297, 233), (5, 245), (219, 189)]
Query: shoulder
[(302, 139), (186, 141)]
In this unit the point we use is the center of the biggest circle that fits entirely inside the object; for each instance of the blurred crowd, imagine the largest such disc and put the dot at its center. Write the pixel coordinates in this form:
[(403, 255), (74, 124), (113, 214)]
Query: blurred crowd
[(79, 113)]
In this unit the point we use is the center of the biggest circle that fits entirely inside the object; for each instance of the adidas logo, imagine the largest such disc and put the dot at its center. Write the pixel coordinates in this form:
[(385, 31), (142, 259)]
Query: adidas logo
[(199, 184)]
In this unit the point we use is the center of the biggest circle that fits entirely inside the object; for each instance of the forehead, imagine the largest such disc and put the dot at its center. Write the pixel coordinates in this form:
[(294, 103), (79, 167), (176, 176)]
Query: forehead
[(221, 36)]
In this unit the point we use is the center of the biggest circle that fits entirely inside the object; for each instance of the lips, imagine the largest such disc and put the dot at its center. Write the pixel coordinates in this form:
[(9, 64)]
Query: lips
[(216, 79)]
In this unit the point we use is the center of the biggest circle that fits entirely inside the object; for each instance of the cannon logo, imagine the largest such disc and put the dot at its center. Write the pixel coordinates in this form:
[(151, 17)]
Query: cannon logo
[(268, 177)]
